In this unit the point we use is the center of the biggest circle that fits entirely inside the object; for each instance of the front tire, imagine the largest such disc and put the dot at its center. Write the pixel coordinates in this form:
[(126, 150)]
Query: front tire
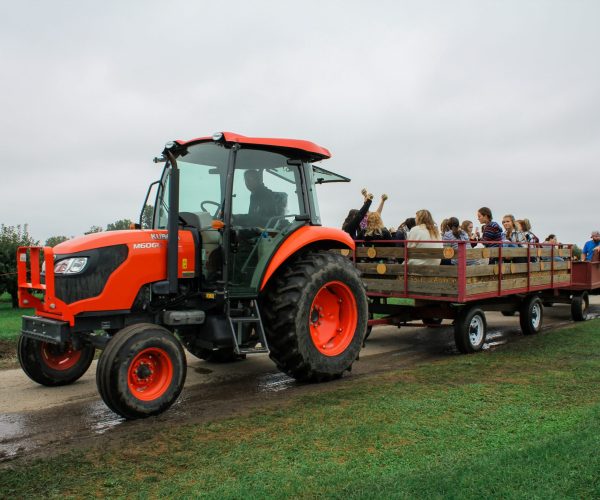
[(142, 371), (470, 329), (580, 305), (52, 364), (531, 315), (315, 317)]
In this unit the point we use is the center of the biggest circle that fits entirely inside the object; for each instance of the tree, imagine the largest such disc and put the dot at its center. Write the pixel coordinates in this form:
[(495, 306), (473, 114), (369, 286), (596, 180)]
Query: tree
[(55, 240), (11, 238), (119, 225), (147, 215), (94, 229)]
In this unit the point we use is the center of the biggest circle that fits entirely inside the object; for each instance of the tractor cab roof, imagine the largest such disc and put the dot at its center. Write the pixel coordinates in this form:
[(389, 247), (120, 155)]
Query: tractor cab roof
[(312, 150)]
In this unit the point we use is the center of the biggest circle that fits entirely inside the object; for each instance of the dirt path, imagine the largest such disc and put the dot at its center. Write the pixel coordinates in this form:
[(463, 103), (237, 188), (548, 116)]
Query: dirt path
[(37, 421)]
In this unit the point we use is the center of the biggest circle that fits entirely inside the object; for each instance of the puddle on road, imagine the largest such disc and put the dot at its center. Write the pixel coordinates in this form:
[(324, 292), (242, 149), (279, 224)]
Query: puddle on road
[(12, 432), (274, 382), (100, 418), (494, 338)]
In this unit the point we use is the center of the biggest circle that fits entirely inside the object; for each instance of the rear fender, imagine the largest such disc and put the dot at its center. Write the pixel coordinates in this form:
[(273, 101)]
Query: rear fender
[(322, 237)]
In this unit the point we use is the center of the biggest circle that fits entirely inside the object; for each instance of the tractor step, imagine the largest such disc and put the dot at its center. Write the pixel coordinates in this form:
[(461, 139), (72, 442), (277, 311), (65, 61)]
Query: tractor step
[(238, 323)]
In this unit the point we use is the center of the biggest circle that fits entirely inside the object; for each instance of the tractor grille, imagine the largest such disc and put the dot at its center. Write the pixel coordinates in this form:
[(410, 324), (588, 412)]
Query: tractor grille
[(90, 283)]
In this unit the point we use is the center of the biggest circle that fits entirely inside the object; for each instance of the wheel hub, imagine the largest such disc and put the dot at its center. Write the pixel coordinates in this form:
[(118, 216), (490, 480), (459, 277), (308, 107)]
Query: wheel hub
[(535, 316), (476, 331), (333, 318), (150, 374), (60, 357)]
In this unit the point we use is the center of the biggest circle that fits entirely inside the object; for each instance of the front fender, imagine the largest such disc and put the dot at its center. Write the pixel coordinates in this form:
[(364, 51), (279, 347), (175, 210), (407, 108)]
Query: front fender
[(325, 237)]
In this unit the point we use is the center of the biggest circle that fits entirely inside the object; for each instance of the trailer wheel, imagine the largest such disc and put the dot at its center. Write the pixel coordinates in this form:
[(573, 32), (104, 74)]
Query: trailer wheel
[(142, 371), (470, 330), (53, 364), (580, 305), (531, 315), (315, 317)]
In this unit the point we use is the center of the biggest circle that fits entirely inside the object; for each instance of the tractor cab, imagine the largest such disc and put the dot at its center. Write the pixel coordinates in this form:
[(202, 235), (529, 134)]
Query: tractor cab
[(242, 200)]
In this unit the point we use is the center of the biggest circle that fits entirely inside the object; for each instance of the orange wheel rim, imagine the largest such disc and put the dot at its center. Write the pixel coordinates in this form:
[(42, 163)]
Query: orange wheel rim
[(58, 358), (333, 318), (150, 374)]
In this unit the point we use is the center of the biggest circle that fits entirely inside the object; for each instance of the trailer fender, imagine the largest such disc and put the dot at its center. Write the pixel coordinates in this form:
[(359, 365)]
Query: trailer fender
[(322, 237)]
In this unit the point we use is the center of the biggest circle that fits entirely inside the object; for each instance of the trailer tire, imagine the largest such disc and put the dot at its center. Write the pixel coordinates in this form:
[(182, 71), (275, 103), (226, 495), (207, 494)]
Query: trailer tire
[(53, 364), (470, 329), (531, 315), (315, 316), (142, 371), (580, 305)]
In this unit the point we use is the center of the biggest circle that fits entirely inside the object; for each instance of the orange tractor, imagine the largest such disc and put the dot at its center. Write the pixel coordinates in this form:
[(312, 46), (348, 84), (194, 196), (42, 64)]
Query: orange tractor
[(236, 262)]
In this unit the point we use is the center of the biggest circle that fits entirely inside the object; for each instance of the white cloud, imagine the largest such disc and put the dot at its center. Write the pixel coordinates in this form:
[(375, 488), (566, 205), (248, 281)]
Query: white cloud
[(443, 105)]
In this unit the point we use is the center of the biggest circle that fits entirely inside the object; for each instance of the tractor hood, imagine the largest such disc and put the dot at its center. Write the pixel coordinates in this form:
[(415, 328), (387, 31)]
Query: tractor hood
[(110, 238)]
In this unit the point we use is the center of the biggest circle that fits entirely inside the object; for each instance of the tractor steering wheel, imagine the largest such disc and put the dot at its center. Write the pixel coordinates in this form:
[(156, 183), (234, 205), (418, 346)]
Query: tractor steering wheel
[(210, 202)]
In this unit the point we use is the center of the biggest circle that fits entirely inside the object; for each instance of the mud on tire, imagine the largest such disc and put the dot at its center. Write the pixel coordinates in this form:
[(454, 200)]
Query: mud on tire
[(315, 316), (142, 371), (52, 364)]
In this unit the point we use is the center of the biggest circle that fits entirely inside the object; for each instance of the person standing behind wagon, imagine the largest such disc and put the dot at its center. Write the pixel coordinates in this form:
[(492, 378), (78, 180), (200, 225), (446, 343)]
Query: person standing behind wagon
[(424, 230), (591, 247)]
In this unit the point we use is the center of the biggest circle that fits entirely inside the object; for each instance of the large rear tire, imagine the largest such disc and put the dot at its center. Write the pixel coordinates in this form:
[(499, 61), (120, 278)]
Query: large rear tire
[(531, 315), (470, 329), (315, 316), (580, 305), (142, 371), (53, 364)]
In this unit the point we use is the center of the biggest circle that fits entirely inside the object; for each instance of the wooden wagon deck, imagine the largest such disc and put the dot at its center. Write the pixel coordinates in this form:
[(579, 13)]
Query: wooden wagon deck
[(387, 271)]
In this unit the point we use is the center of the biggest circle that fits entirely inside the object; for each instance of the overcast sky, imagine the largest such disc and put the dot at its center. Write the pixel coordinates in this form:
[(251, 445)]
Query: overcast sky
[(443, 105)]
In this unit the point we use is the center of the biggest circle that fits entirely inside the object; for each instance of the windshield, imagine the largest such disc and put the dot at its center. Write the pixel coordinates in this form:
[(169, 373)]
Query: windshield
[(202, 174)]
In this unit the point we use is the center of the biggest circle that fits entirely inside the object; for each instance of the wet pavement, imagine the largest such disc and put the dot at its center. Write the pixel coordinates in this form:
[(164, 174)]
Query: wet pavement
[(39, 421)]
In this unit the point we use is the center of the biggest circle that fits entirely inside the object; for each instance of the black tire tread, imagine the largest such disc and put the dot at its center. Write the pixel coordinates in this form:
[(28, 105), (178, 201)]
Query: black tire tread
[(525, 313), (280, 308), (578, 312), (461, 326), (109, 357), (33, 366)]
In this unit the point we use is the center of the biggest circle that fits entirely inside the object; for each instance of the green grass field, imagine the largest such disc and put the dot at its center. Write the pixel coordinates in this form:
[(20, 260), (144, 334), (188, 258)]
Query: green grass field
[(10, 319), (523, 421)]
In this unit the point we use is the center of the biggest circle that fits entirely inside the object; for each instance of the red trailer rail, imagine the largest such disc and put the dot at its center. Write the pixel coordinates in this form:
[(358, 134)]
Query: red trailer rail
[(407, 283)]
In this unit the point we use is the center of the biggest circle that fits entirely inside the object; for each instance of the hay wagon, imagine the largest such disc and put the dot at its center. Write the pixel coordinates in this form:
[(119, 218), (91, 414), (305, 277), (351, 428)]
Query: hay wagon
[(475, 280)]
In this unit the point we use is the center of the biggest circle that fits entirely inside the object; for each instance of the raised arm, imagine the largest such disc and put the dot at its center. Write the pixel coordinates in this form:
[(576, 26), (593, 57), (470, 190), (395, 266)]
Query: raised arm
[(381, 203)]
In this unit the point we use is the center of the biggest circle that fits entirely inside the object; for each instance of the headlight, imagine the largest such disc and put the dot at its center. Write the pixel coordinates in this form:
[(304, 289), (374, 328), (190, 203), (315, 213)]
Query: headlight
[(73, 265)]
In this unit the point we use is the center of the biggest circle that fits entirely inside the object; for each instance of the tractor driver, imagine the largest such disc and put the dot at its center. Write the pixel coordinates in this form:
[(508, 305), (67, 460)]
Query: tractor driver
[(263, 203)]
